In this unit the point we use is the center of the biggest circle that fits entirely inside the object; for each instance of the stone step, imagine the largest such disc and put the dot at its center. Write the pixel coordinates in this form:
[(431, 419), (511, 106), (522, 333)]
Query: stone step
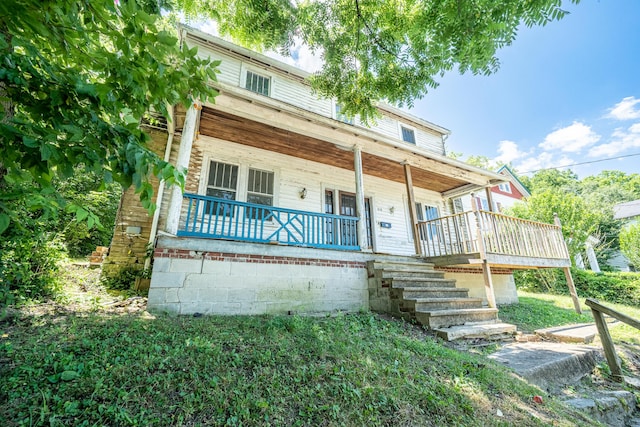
[(479, 330), (422, 292), (445, 318), (402, 266), (402, 274), (430, 304), (421, 282), (613, 408)]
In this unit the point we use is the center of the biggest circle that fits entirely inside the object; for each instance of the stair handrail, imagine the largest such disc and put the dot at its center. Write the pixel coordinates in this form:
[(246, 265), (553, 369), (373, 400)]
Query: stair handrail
[(598, 311)]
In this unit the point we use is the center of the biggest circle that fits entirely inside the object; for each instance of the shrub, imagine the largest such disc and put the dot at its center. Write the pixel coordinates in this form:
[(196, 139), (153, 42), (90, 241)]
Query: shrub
[(621, 288), (630, 244), (29, 267), (124, 278)]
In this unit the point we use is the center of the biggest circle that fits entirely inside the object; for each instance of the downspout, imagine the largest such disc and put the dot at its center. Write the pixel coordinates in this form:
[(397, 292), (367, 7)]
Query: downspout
[(156, 213)]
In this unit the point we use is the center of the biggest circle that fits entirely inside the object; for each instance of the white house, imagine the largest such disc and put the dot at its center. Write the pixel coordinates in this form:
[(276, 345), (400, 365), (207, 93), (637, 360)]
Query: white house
[(628, 212), (291, 207)]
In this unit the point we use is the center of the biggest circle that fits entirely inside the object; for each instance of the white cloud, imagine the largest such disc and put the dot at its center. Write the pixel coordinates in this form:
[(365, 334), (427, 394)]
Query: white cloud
[(570, 139), (621, 140), (543, 160), (625, 109), (508, 152)]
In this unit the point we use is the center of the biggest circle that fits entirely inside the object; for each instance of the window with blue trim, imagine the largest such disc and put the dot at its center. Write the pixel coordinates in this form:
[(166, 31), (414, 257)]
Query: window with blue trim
[(257, 83), (427, 213)]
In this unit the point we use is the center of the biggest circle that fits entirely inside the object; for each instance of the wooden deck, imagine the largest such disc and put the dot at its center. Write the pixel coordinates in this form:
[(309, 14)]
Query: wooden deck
[(476, 237)]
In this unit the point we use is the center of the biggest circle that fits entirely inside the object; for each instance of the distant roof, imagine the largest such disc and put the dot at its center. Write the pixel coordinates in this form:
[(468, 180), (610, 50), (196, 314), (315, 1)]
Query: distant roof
[(523, 189), (626, 210)]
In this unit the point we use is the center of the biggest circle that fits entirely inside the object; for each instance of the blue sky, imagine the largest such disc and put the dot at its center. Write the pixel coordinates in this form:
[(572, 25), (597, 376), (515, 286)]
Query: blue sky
[(565, 93)]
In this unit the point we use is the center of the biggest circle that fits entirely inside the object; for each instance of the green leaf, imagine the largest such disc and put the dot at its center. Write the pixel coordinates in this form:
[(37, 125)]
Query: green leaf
[(69, 375), (4, 222), (81, 214)]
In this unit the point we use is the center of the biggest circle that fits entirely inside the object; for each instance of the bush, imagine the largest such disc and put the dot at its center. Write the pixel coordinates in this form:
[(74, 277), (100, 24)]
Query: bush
[(123, 279), (621, 288), (29, 267)]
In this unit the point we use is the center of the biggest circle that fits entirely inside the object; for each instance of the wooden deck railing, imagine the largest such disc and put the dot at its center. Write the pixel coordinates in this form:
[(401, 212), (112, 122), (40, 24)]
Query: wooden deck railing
[(490, 233), (212, 217)]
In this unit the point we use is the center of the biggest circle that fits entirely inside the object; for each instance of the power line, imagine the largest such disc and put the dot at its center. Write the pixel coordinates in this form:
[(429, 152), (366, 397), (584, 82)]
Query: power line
[(582, 163)]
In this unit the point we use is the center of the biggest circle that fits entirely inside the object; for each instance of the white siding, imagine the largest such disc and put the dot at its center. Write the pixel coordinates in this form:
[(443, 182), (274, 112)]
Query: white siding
[(292, 91), (429, 141)]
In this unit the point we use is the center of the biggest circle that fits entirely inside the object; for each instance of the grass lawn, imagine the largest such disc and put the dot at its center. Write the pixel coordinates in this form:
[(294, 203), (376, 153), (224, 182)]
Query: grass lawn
[(71, 366), (536, 311)]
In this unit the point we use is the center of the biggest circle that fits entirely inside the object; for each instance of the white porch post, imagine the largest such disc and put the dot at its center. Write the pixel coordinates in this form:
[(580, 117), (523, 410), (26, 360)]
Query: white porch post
[(182, 163), (362, 224)]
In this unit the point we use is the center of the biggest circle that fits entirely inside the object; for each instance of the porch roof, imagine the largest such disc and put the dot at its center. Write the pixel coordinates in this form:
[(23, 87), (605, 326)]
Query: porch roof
[(252, 124)]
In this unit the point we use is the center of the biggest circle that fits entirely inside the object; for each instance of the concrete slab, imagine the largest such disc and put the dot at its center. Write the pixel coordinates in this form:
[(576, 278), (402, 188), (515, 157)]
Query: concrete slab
[(488, 330), (583, 333), (549, 365)]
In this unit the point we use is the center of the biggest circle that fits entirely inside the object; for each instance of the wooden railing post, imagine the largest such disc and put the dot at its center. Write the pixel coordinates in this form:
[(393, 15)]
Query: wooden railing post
[(486, 269), (599, 311), (567, 271)]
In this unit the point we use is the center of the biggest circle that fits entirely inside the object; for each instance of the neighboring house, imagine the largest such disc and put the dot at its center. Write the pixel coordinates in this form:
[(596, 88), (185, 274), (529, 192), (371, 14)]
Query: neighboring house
[(499, 197), (628, 212), (291, 207)]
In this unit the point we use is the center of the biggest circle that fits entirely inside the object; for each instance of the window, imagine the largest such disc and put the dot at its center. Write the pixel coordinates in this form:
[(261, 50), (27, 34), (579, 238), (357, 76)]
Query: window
[(257, 83), (222, 183), (427, 213), (482, 204), (408, 135), (259, 191), (341, 117), (505, 187)]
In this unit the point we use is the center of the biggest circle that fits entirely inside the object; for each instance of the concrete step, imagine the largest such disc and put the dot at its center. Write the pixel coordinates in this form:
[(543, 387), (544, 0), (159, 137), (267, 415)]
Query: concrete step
[(445, 318), (393, 274), (550, 366), (412, 292), (402, 266), (430, 304), (492, 329), (420, 282)]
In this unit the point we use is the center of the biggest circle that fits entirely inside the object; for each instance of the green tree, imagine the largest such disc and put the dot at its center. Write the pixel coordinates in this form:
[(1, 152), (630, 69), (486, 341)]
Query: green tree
[(380, 49), (630, 244), (76, 79), (578, 221)]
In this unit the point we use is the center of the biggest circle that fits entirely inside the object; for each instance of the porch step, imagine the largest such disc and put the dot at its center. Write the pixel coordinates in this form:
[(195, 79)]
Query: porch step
[(415, 291), (478, 330), (445, 318), (411, 292), (423, 282), (407, 274), (431, 304)]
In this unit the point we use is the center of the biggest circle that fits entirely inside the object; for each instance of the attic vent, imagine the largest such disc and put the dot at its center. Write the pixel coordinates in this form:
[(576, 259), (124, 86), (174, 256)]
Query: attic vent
[(154, 120)]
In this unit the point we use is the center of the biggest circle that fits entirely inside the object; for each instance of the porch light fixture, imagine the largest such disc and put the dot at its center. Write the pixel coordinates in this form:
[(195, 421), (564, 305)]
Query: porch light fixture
[(392, 209), (303, 193)]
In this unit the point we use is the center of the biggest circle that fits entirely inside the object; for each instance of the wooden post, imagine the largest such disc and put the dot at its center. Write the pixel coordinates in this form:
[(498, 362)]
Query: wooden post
[(360, 206), (489, 199), (189, 132), (488, 284), (412, 209), (486, 269), (567, 273), (607, 345)]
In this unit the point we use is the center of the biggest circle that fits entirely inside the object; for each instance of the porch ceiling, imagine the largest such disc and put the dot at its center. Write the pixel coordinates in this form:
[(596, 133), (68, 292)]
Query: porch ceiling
[(222, 125)]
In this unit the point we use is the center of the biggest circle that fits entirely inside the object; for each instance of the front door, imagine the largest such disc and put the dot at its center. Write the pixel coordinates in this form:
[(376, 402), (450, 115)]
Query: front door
[(347, 207)]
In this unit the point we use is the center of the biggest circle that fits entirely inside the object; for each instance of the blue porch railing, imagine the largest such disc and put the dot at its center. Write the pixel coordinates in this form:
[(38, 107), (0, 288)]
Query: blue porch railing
[(213, 217)]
